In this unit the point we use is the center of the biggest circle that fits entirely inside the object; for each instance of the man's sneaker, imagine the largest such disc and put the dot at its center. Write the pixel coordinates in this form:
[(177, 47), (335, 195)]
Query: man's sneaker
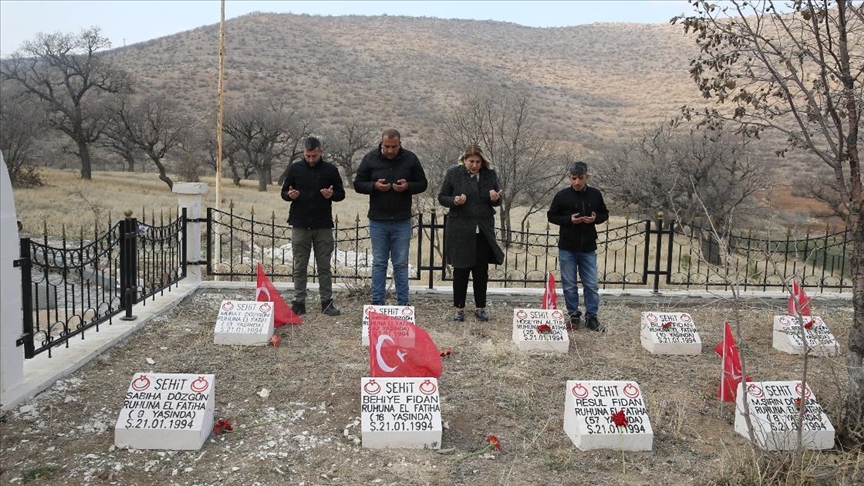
[(575, 323), (591, 322), (328, 308), (459, 316), (481, 315), (298, 308)]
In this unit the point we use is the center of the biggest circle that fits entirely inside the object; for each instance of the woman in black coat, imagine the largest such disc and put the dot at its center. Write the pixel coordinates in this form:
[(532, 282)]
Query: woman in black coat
[(471, 191)]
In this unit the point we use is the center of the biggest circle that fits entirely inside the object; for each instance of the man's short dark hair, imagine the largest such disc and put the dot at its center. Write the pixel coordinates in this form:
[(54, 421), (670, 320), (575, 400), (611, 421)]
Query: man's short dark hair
[(312, 143), (391, 133), (578, 168)]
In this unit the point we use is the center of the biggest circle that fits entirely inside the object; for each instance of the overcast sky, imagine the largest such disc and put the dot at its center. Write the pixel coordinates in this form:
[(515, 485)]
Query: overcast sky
[(128, 22)]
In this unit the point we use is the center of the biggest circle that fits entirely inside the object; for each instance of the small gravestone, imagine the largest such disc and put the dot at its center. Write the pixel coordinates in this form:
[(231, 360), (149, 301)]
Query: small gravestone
[(670, 333), (819, 339), (590, 410), (166, 411), (246, 323), (774, 408), (400, 413), (403, 312), (540, 330)]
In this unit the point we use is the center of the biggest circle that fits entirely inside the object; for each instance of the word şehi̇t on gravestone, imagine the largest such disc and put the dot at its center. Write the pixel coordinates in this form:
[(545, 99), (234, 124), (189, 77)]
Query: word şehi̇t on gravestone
[(246, 323), (540, 330), (776, 410), (400, 413), (819, 339), (166, 411), (403, 312), (590, 410), (669, 333)]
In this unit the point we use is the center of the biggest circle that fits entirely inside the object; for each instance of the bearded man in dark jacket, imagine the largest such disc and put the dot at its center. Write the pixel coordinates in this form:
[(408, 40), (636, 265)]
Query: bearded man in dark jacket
[(391, 175)]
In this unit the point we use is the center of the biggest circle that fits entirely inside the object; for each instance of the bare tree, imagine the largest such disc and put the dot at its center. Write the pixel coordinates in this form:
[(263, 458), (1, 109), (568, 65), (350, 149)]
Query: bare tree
[(345, 142), (21, 125), (65, 72), (797, 73)]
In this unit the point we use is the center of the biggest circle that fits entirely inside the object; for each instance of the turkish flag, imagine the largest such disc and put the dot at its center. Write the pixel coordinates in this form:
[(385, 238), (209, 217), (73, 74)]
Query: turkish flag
[(550, 297), (798, 300), (266, 292), (731, 366), (398, 348)]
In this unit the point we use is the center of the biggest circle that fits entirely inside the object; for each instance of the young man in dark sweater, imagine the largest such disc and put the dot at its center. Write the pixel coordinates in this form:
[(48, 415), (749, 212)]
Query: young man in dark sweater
[(577, 210)]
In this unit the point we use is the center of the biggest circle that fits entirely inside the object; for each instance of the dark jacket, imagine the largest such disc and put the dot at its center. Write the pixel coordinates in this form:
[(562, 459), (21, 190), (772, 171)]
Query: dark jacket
[(312, 210), (390, 205), (463, 220), (577, 237)]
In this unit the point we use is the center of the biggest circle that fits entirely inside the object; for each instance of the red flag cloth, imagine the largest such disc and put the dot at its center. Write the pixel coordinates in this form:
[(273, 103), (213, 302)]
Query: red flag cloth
[(399, 349), (550, 297), (266, 292), (803, 302), (731, 377)]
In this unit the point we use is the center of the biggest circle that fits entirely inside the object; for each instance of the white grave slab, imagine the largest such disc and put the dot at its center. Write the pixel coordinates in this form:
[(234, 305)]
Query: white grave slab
[(166, 411), (670, 333), (246, 323), (528, 338), (774, 414), (403, 413), (820, 340), (404, 312), (588, 409)]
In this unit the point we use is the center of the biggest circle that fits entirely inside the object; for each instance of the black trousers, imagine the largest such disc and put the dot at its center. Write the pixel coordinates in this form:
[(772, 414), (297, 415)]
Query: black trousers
[(480, 273)]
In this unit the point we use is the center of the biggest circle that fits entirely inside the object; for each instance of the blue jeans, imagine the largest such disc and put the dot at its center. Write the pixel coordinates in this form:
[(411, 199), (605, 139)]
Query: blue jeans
[(390, 241), (586, 264)]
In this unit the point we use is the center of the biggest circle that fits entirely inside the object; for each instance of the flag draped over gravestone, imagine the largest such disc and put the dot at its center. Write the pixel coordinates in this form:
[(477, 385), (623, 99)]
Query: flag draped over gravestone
[(731, 376), (399, 349), (550, 296), (798, 301), (266, 292)]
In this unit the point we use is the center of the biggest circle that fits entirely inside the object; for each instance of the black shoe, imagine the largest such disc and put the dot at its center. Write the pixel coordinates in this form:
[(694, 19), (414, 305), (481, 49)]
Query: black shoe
[(575, 323), (481, 315), (298, 308), (591, 322), (328, 308), (459, 316)]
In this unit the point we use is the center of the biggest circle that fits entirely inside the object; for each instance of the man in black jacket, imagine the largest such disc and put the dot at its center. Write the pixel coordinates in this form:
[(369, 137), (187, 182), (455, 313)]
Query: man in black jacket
[(577, 210), (312, 185), (391, 175)]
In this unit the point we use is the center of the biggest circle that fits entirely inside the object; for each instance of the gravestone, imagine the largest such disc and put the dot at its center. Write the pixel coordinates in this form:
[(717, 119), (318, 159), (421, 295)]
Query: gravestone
[(166, 411), (403, 312), (819, 339), (247, 323), (11, 319), (527, 332), (670, 333), (400, 413), (589, 410), (774, 408)]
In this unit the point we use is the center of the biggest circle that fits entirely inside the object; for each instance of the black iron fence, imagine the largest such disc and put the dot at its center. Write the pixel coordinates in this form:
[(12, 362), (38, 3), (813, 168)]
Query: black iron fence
[(73, 284)]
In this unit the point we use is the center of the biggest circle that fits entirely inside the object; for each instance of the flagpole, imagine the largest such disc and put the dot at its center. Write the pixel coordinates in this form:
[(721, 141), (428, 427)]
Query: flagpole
[(723, 371), (218, 239)]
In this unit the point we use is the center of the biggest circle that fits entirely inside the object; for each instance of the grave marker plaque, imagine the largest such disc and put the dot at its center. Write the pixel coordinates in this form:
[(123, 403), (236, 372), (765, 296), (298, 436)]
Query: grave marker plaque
[(403, 312), (670, 333), (400, 413), (246, 323), (166, 411), (528, 337), (589, 407), (774, 412), (820, 340)]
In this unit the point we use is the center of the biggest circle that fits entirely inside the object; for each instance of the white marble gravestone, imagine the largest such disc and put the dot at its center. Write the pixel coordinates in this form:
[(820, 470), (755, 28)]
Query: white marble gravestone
[(403, 413), (527, 336), (166, 411), (247, 323), (588, 410), (774, 409), (404, 312), (670, 333), (820, 340)]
